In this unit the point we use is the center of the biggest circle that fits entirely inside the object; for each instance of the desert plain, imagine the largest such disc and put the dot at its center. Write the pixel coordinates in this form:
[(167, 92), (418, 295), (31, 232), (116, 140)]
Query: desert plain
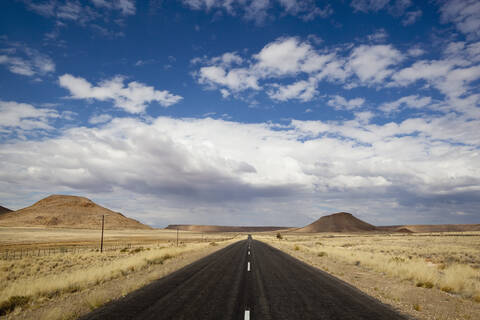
[(57, 271)]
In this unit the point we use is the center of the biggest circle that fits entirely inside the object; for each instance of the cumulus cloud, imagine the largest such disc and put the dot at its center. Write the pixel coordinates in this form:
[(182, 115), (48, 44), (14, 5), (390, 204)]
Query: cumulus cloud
[(236, 171), (372, 63), (280, 58), (339, 103), (413, 101), (291, 69), (301, 90), (132, 98), (289, 57), (23, 117)]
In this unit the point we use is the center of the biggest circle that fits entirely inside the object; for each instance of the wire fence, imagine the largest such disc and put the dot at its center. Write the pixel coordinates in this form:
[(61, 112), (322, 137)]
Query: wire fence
[(20, 253)]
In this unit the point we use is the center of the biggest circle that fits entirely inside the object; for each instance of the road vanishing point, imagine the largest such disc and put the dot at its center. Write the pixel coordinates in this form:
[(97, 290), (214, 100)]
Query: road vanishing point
[(247, 280)]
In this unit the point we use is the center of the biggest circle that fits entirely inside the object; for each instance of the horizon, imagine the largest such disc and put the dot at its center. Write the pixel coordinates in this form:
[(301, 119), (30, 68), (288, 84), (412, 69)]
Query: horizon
[(253, 113)]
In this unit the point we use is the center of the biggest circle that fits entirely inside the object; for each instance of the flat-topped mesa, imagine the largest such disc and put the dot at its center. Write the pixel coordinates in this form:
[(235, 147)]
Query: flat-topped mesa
[(338, 222), (65, 211), (212, 228)]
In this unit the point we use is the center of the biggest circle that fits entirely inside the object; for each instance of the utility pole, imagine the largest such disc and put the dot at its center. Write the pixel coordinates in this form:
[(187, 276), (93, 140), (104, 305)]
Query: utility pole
[(177, 236), (101, 241)]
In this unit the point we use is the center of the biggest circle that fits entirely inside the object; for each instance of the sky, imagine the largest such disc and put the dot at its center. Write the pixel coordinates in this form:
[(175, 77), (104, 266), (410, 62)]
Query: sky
[(265, 112)]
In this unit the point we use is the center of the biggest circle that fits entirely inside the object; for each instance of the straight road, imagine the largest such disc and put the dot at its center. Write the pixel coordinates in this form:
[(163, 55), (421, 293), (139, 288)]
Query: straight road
[(247, 280)]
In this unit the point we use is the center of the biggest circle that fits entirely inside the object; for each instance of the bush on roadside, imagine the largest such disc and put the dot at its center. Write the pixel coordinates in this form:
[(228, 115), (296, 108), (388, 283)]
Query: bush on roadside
[(13, 302), (279, 236)]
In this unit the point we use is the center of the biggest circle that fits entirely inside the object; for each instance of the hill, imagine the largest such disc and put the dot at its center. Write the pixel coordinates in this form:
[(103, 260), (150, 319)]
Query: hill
[(425, 228), (60, 211), (338, 222), (210, 228), (4, 210)]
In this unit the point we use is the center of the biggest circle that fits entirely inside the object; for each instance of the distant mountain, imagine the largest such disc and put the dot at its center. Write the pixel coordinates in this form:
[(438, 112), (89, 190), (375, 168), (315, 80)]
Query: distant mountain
[(209, 228), (338, 222), (4, 210), (62, 211)]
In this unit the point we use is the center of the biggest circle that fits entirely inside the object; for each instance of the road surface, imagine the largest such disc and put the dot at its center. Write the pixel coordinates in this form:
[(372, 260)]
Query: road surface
[(247, 280)]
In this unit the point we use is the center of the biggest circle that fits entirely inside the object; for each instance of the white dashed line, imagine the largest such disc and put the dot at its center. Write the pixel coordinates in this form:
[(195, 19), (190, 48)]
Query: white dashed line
[(247, 315), (248, 252), (248, 266)]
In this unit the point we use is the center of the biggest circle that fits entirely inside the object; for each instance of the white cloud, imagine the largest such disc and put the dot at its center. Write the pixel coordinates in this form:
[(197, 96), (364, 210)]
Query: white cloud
[(289, 68), (280, 58), (25, 61), (413, 101), (100, 118), (132, 98), (371, 63), (368, 5), (452, 76), (411, 17), (258, 10), (301, 90), (283, 56), (415, 52), (236, 79), (24, 117), (176, 165), (465, 14), (339, 103), (84, 13), (379, 36)]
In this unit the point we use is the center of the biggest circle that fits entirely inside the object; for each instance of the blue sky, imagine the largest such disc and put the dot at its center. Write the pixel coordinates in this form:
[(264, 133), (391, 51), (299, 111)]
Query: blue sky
[(244, 112)]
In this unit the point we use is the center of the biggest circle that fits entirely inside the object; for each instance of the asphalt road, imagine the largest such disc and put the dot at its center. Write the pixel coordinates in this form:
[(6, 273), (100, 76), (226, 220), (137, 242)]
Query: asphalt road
[(220, 286)]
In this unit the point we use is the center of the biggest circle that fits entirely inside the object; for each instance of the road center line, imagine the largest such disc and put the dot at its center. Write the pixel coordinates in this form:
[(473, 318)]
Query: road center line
[(248, 266), (248, 252), (247, 315)]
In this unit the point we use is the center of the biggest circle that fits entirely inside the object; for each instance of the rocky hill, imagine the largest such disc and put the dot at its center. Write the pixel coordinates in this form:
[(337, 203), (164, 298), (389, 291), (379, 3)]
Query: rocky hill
[(338, 222), (60, 211)]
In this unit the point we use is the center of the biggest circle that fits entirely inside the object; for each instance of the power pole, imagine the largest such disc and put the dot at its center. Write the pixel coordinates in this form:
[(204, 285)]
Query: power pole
[(101, 241)]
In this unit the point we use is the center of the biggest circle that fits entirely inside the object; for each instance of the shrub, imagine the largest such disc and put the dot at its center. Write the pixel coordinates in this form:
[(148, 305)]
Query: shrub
[(159, 260), (322, 254), (137, 250), (425, 284), (10, 305), (296, 247), (279, 236), (213, 244), (417, 307), (447, 289)]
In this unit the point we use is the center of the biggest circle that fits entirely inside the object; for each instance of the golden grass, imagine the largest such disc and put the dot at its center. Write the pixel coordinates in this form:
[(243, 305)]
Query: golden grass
[(15, 238), (34, 278), (450, 263)]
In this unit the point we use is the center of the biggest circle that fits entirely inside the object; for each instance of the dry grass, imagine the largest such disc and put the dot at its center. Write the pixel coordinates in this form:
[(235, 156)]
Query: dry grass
[(37, 279), (15, 238), (448, 262)]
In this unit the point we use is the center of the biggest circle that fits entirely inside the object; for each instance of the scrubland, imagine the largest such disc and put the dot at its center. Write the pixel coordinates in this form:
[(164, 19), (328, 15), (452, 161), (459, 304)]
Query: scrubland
[(423, 264), (45, 281)]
